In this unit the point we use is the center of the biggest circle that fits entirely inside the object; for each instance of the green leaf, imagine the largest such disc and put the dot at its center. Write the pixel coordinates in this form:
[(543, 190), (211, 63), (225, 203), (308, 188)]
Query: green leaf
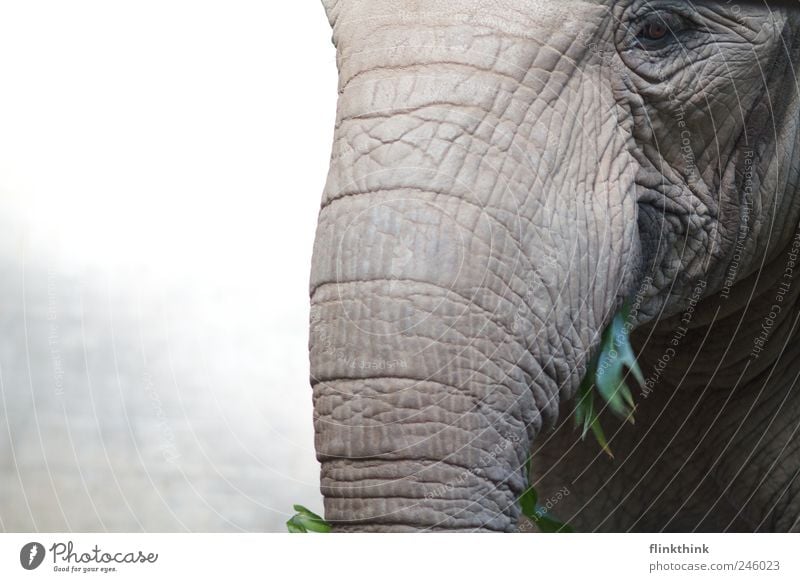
[(607, 373), (315, 525), (584, 411), (586, 418), (307, 512), (600, 437), (529, 497), (305, 521), (528, 502)]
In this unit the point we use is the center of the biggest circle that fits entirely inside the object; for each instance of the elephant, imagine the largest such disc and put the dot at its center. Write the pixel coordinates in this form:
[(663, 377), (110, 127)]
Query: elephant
[(505, 177)]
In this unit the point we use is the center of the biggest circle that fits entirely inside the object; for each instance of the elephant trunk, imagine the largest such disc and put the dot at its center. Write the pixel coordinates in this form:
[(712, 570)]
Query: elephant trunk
[(463, 268), (424, 407)]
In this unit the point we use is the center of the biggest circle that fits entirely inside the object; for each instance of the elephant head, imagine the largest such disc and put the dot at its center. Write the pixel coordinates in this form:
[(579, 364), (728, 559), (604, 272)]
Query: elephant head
[(504, 176)]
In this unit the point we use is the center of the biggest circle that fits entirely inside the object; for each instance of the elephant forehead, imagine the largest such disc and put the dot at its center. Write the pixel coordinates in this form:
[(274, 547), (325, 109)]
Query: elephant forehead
[(542, 8), (518, 47), (522, 18)]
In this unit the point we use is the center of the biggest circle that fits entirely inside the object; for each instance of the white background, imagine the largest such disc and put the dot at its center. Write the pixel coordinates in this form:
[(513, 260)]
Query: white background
[(621, 557), (161, 166)]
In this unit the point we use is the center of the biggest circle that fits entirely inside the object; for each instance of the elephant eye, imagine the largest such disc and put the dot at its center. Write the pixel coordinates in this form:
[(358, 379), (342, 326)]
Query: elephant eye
[(658, 30), (654, 31)]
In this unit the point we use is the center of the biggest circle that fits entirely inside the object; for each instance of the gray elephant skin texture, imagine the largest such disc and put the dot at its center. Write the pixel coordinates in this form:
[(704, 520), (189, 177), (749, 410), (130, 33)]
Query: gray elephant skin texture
[(505, 176)]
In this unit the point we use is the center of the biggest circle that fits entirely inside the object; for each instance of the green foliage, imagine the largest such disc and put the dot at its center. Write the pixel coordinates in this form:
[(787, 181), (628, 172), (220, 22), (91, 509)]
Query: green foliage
[(305, 521), (607, 374), (529, 502)]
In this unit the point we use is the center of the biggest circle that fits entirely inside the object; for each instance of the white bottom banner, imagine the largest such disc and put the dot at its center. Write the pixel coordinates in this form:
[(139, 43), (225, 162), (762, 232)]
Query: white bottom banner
[(356, 557)]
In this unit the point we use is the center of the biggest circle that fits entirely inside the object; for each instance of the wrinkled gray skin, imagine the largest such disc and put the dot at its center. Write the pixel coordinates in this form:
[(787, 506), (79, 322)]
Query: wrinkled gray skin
[(504, 175)]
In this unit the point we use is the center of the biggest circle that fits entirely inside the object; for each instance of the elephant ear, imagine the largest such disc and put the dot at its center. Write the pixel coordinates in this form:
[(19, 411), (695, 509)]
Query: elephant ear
[(607, 373)]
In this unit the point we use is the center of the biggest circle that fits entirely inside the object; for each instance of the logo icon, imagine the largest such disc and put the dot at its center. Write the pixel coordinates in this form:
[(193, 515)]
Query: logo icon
[(31, 555)]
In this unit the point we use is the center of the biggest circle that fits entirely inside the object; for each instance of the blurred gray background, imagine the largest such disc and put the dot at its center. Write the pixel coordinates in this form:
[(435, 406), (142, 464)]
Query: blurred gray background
[(161, 165)]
